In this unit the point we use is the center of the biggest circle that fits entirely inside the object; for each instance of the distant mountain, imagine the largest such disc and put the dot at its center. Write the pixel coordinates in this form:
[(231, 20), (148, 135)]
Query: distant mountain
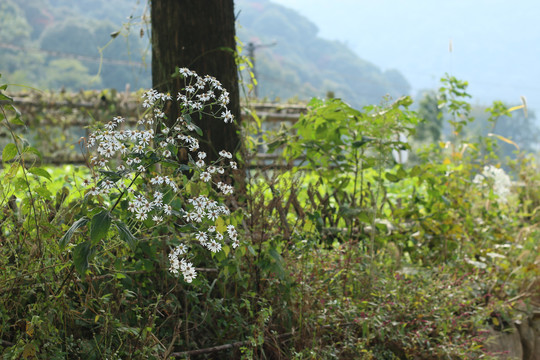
[(302, 64), (494, 42), (54, 43)]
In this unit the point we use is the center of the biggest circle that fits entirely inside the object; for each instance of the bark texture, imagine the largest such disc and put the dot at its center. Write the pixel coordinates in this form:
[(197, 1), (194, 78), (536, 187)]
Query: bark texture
[(199, 35)]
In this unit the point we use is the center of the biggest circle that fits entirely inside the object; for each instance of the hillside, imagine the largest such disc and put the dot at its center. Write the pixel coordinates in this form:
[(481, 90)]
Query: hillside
[(303, 64), (55, 44)]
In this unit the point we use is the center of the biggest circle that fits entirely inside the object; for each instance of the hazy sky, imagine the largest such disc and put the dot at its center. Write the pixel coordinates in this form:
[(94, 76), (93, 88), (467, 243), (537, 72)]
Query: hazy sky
[(495, 43)]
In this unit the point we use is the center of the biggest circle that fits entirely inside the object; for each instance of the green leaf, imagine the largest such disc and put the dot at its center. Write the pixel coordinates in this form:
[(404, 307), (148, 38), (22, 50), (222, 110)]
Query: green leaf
[(17, 121), (43, 192), (273, 253), (401, 173), (101, 222), (391, 177), (69, 234), (221, 227), (415, 171), (279, 262), (33, 150), (126, 235), (12, 172), (81, 255), (40, 172), (9, 152), (197, 129)]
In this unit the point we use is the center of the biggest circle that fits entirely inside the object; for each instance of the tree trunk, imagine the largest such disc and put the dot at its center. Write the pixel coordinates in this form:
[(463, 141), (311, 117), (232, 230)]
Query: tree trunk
[(198, 35)]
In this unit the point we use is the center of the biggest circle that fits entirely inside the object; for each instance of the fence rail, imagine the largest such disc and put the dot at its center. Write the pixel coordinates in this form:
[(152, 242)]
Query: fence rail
[(57, 120)]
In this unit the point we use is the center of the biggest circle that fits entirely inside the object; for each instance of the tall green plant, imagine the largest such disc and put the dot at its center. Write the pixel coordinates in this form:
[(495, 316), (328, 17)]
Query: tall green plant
[(134, 185)]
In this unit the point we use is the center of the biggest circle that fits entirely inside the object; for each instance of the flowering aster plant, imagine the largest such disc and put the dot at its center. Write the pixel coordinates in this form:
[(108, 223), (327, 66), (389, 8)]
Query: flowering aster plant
[(137, 168), (499, 179)]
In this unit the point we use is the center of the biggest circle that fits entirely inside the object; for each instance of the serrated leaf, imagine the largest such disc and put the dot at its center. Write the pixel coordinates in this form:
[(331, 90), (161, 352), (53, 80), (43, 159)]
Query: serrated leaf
[(9, 152), (126, 235), (81, 256), (69, 234), (101, 222), (40, 172)]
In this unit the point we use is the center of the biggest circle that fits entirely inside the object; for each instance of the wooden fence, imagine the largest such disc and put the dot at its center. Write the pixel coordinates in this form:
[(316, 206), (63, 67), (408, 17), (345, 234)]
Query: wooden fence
[(55, 121)]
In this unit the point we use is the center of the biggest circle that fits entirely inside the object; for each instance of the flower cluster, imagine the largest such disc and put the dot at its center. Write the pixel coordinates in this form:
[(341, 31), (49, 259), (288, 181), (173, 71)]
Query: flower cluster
[(501, 181), (125, 155), (180, 264), (204, 94)]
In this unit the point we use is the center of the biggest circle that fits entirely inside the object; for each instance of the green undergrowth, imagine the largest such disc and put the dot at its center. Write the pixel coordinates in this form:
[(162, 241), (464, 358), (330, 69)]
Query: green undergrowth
[(345, 254)]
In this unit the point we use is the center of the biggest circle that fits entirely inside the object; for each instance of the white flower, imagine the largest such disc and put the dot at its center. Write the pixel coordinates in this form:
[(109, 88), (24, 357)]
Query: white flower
[(158, 196), (197, 217), (107, 184), (181, 265), (110, 125), (213, 246), (205, 176), (141, 216), (201, 155), (202, 237), (186, 72), (180, 250), (156, 180), (501, 181), (231, 230), (225, 188), (194, 147), (227, 116), (132, 206), (167, 209), (212, 214), (225, 154)]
